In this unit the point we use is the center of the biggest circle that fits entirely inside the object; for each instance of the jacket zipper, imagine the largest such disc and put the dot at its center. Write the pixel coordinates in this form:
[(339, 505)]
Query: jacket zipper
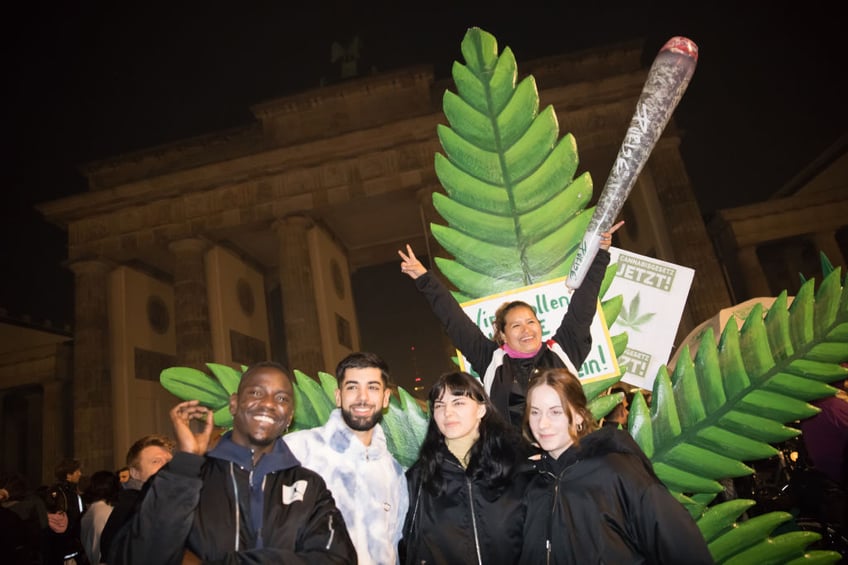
[(549, 533), (332, 533), (550, 522), (473, 520), (236, 505)]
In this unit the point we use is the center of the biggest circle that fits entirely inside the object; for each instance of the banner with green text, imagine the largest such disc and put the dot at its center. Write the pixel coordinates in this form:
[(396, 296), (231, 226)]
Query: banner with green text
[(550, 300), (654, 295)]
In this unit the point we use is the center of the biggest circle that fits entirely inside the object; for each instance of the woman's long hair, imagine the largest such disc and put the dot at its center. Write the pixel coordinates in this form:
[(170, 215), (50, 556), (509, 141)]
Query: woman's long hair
[(570, 392), (492, 457)]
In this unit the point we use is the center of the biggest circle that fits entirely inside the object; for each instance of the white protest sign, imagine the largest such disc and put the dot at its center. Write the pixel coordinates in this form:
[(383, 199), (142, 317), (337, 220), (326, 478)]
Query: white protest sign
[(550, 300), (654, 294)]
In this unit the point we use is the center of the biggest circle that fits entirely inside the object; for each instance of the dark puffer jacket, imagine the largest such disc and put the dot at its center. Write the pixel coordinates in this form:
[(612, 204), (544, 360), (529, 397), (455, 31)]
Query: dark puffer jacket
[(225, 510), (469, 523), (602, 503)]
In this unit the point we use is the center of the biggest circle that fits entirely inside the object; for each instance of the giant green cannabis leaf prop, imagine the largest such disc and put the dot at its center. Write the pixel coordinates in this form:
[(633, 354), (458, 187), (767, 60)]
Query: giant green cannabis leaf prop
[(732, 401), (515, 214)]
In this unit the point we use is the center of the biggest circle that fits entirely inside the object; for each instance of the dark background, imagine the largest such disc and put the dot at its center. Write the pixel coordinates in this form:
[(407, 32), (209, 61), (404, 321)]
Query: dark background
[(91, 80)]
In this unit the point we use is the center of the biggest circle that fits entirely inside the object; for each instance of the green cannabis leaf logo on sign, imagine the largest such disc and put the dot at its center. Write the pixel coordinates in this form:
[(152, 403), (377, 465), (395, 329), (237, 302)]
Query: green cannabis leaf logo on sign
[(631, 319)]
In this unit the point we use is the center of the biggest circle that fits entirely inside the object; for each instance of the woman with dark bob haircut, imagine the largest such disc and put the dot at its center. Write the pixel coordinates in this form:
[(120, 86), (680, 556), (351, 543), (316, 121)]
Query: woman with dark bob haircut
[(595, 498), (466, 489)]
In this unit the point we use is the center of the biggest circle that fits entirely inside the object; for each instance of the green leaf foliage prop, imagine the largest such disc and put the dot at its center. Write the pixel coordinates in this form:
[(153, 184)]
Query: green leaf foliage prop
[(187, 383), (515, 212), (732, 401)]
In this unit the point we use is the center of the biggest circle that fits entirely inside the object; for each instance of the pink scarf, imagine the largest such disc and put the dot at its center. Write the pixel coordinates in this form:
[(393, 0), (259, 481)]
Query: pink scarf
[(517, 354)]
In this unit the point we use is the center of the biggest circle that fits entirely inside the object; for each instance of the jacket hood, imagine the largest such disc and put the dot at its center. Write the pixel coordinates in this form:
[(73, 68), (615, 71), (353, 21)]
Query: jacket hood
[(278, 459), (602, 442)]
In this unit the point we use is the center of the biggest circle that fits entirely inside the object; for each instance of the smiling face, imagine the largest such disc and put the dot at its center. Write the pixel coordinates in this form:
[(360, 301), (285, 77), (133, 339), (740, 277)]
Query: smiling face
[(551, 420), (262, 409), (457, 416), (362, 397), (522, 330)]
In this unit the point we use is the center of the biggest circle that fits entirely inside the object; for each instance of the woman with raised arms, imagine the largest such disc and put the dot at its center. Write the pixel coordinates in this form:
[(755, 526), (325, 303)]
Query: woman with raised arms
[(517, 350)]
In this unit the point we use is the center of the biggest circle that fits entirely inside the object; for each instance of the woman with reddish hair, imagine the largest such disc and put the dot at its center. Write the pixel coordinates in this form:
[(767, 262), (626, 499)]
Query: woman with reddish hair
[(595, 498)]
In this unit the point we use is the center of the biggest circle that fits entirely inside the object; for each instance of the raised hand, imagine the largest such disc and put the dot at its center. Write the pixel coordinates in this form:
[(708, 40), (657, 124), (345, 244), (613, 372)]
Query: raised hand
[(188, 440), (410, 264), (606, 237)]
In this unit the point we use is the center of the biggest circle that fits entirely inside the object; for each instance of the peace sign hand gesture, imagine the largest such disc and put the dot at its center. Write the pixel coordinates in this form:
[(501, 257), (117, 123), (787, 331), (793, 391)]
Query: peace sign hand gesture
[(410, 264)]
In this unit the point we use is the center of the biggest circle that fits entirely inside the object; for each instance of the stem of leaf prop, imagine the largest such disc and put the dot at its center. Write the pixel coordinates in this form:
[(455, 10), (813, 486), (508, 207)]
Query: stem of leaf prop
[(667, 81)]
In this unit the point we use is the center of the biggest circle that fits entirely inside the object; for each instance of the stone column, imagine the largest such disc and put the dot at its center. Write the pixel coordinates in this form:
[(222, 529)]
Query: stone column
[(34, 420), (300, 311), (427, 213), (432, 249), (753, 278), (827, 244), (690, 242), (191, 304), (92, 383), (51, 428)]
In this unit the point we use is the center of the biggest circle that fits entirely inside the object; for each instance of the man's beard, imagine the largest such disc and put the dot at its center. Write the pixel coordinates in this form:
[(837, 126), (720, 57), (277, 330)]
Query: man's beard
[(361, 424)]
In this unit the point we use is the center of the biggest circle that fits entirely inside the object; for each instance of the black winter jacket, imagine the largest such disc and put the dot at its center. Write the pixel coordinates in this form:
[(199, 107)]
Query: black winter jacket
[(225, 510), (505, 378), (601, 502), (468, 523)]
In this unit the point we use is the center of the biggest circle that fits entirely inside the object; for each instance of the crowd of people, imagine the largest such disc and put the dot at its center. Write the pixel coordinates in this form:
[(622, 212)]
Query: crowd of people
[(513, 468), (62, 524)]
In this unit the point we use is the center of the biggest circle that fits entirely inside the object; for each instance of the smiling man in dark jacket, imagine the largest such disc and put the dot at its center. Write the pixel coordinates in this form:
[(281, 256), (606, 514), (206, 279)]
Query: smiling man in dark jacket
[(248, 500)]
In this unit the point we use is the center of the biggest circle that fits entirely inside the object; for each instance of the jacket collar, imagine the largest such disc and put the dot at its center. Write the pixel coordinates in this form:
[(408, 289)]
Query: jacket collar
[(597, 444), (278, 459)]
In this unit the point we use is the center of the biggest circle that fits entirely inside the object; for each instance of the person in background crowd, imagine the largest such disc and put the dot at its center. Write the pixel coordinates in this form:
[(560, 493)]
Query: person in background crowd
[(64, 512), (618, 415), (100, 496), (144, 458), (17, 498), (825, 438)]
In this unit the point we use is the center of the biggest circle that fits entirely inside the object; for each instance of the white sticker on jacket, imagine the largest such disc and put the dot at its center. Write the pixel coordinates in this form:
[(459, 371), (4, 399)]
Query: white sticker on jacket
[(295, 492)]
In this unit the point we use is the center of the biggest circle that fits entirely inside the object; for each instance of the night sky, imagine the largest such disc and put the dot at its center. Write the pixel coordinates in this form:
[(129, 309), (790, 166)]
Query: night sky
[(91, 80)]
